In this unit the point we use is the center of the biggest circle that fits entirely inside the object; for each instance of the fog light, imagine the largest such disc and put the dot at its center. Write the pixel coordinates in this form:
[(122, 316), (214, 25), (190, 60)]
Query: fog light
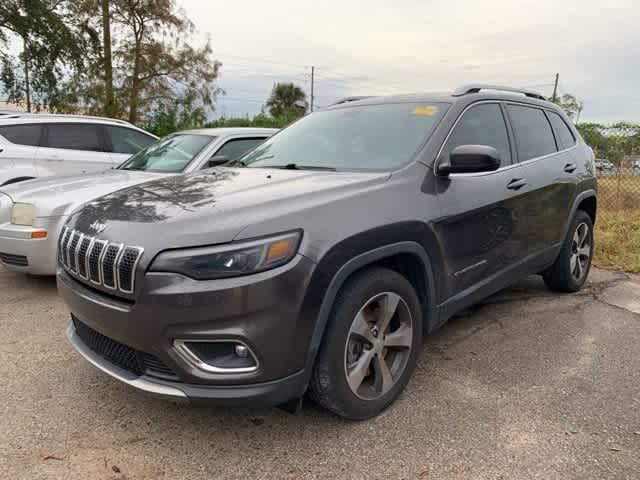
[(217, 356), (242, 351)]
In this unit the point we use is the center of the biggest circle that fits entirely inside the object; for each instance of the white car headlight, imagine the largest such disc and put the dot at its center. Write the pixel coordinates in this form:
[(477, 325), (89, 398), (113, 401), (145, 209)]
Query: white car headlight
[(23, 214)]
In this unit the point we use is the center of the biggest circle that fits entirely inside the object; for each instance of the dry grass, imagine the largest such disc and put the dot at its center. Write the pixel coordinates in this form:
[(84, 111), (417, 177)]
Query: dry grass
[(618, 225)]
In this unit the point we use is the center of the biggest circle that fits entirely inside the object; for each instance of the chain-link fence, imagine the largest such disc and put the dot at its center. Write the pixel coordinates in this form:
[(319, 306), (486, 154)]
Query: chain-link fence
[(618, 224)]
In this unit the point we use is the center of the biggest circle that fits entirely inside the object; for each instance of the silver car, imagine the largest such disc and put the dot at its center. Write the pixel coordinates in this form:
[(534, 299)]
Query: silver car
[(32, 213)]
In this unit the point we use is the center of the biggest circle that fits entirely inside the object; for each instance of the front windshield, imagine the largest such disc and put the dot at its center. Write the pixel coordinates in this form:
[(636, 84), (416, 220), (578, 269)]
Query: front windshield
[(378, 137), (170, 154)]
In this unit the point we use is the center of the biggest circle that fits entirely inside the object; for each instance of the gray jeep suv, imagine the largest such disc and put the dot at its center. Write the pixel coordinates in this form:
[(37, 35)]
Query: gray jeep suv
[(316, 262)]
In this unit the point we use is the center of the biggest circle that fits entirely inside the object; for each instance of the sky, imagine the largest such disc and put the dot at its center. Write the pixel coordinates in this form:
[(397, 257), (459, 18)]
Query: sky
[(379, 47)]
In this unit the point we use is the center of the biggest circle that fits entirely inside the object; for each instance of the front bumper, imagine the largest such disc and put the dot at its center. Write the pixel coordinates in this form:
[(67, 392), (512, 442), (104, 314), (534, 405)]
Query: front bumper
[(40, 253), (261, 311), (268, 394)]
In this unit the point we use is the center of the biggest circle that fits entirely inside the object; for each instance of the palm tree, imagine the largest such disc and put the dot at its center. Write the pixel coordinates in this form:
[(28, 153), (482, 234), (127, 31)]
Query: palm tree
[(286, 97)]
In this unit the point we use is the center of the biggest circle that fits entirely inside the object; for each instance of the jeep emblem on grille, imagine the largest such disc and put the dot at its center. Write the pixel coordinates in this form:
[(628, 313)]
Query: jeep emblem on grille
[(97, 227)]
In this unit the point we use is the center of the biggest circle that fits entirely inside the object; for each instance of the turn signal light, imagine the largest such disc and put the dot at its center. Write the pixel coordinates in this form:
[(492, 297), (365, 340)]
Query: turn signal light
[(39, 234)]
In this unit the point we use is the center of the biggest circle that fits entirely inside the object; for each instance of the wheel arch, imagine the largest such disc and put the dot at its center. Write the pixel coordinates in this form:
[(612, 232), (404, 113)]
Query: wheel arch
[(409, 258), (16, 180)]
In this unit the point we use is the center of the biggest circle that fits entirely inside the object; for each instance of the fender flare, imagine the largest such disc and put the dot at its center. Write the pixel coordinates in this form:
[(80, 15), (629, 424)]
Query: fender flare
[(574, 208), (356, 263)]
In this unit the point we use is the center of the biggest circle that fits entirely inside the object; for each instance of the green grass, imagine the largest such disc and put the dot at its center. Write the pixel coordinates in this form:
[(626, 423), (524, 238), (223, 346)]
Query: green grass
[(617, 231)]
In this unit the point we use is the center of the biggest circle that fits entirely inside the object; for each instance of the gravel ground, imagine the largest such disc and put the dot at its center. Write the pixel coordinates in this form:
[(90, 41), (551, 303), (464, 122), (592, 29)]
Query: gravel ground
[(530, 384)]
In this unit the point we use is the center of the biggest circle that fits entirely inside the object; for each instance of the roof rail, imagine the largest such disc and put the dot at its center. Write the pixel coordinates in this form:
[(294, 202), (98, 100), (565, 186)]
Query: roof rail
[(350, 99), (476, 87), (63, 115)]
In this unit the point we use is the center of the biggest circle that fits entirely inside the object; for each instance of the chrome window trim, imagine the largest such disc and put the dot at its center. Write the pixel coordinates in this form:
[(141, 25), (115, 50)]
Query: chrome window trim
[(140, 250), (506, 167), (192, 359)]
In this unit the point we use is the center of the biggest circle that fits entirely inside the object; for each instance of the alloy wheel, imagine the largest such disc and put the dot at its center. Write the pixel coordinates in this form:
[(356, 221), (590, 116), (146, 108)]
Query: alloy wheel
[(378, 345), (580, 252)]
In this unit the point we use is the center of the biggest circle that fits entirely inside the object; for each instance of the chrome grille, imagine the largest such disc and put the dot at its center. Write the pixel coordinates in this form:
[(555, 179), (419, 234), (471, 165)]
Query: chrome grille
[(110, 265)]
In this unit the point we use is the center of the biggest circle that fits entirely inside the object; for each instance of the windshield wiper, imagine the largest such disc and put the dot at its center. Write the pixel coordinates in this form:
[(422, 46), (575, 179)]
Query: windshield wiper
[(295, 166)]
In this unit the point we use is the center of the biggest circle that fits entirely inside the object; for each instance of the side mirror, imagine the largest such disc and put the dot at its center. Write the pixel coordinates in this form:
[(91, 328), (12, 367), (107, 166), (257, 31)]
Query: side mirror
[(470, 159), (217, 160)]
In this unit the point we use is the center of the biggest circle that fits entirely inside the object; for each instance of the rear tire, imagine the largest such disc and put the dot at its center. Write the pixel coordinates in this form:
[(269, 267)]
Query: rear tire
[(370, 347), (570, 270)]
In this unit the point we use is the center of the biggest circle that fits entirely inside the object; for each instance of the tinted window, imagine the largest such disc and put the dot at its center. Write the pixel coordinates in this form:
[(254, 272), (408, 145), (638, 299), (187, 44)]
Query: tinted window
[(170, 154), (127, 140), (234, 149), (22, 134), (534, 137), (73, 136), (481, 125), (377, 137), (563, 133)]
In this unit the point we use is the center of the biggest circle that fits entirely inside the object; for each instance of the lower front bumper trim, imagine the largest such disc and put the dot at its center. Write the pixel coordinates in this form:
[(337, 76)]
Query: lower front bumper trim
[(126, 377), (270, 393)]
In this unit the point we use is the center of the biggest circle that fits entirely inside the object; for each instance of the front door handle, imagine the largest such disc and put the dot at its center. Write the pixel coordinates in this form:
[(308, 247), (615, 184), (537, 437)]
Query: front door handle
[(516, 184), (570, 167)]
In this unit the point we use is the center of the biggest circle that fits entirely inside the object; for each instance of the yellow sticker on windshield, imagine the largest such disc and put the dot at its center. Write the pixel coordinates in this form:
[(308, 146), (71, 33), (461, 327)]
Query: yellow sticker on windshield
[(429, 111)]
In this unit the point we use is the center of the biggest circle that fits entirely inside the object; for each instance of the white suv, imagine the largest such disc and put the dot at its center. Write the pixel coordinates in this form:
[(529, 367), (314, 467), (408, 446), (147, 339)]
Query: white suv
[(43, 145)]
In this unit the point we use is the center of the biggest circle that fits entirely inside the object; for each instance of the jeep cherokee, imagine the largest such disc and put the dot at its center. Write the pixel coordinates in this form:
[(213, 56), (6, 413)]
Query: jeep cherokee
[(315, 263)]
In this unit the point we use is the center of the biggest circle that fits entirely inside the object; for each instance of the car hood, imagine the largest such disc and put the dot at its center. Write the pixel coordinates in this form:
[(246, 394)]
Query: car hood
[(54, 196), (212, 206)]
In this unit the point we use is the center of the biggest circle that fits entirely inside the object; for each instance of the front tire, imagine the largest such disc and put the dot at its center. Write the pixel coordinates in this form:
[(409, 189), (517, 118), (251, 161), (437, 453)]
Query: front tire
[(570, 270), (370, 347)]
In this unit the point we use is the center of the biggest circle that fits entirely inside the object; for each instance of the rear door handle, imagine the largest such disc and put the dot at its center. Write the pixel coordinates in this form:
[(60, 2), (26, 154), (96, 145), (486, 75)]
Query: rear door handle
[(516, 184), (570, 167)]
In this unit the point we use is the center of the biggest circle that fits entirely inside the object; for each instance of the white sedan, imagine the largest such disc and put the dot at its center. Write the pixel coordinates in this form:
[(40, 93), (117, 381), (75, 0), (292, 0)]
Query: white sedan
[(32, 213)]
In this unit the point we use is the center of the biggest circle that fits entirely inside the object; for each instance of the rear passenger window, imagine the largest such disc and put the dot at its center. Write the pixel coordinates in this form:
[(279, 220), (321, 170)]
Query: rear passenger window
[(481, 125), (127, 140), (73, 136), (534, 137), (563, 133), (22, 134)]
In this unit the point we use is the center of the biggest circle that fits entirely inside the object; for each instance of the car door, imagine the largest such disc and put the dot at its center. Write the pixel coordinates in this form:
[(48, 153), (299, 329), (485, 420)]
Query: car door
[(18, 153), (548, 173), (72, 149), (480, 228), (122, 142)]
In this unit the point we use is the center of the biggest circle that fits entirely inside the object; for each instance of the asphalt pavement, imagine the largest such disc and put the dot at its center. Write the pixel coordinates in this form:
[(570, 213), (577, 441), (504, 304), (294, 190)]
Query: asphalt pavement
[(528, 385)]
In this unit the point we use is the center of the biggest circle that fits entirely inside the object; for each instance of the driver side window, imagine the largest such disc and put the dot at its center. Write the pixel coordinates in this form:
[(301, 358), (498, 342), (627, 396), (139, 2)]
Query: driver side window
[(482, 124)]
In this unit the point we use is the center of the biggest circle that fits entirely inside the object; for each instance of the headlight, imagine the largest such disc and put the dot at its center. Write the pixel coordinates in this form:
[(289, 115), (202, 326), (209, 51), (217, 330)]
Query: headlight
[(242, 258), (23, 214)]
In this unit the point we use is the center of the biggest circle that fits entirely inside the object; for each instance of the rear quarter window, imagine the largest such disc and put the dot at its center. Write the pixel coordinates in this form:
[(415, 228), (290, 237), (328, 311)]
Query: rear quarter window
[(22, 134), (563, 132), (127, 140), (534, 137)]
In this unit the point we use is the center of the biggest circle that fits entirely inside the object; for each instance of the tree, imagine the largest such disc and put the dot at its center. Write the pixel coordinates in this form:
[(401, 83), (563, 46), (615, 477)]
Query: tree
[(287, 98), (570, 104), (51, 44), (154, 60)]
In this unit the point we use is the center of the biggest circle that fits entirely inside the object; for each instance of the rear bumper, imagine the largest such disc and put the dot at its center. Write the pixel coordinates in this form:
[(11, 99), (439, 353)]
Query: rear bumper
[(271, 393)]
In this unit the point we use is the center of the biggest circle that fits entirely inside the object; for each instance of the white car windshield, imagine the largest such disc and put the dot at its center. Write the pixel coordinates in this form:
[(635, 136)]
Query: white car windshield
[(171, 154)]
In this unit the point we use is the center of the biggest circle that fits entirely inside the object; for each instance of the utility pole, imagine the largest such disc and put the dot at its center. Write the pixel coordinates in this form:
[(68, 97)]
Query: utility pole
[(555, 89), (312, 75)]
